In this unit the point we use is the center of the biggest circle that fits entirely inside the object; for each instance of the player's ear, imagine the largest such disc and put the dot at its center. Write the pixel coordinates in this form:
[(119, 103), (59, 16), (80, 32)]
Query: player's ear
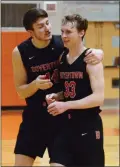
[(81, 33)]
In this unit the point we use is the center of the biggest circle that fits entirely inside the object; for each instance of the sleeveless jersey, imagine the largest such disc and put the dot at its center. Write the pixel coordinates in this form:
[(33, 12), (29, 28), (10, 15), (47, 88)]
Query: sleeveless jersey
[(76, 84), (40, 62)]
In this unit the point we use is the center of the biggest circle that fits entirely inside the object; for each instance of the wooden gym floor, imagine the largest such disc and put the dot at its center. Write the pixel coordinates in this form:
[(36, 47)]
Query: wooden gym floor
[(10, 124)]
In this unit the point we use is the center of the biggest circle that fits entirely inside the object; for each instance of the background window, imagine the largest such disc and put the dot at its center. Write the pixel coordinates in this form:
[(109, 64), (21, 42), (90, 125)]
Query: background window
[(14, 19)]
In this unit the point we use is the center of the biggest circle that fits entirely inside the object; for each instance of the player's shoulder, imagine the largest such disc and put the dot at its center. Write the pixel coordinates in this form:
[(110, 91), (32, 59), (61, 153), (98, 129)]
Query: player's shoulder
[(25, 47), (15, 51), (16, 56), (25, 43), (18, 50)]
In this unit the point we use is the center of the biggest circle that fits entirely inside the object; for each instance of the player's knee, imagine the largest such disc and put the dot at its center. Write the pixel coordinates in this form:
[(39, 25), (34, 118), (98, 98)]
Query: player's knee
[(22, 160), (56, 164)]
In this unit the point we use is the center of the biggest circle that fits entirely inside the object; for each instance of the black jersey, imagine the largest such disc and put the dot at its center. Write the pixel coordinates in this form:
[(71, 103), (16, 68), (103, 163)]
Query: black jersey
[(76, 84), (40, 62)]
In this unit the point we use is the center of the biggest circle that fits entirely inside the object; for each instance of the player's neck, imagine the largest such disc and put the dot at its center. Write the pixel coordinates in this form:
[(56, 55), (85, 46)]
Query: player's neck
[(76, 50), (39, 43)]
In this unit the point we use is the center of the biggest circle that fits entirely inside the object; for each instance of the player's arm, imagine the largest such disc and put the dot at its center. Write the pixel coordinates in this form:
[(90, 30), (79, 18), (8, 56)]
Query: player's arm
[(24, 90), (96, 76)]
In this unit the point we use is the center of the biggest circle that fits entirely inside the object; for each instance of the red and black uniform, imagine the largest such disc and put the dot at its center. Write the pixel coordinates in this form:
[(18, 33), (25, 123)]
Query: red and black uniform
[(38, 128), (81, 142)]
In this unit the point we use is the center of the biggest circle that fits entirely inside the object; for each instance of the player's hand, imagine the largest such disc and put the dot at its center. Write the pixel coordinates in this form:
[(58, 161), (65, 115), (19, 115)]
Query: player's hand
[(94, 56), (57, 108), (43, 83), (50, 98)]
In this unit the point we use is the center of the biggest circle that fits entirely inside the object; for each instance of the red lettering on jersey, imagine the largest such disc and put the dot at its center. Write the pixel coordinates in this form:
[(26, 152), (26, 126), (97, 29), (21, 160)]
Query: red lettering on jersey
[(70, 89), (55, 76), (71, 75), (45, 67)]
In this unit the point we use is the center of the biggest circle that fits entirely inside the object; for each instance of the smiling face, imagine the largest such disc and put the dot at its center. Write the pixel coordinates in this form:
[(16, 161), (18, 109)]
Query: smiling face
[(73, 30), (70, 34), (41, 29)]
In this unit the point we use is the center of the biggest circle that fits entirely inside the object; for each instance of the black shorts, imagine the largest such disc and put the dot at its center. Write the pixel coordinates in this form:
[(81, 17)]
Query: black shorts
[(34, 137), (77, 146)]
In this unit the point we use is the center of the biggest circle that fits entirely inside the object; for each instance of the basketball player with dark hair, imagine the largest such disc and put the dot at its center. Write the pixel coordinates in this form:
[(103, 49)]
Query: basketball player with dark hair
[(80, 143), (35, 68)]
